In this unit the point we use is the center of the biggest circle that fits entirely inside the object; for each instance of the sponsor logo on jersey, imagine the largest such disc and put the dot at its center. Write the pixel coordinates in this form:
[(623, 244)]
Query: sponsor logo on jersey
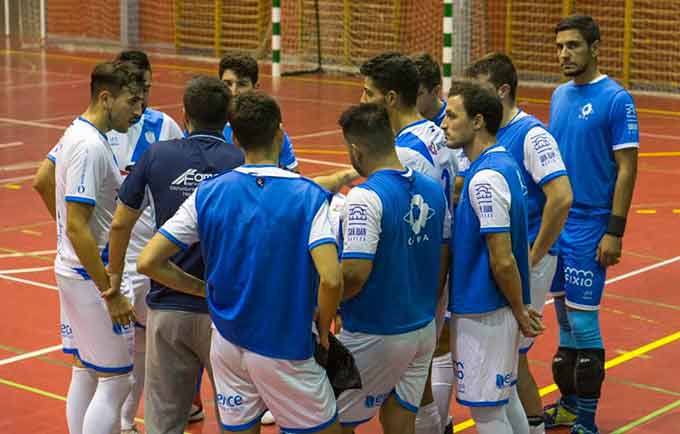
[(586, 111), (579, 277), (417, 217)]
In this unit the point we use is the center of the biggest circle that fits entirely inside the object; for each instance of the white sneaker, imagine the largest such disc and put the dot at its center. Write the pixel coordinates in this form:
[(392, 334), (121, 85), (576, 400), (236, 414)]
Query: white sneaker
[(267, 418)]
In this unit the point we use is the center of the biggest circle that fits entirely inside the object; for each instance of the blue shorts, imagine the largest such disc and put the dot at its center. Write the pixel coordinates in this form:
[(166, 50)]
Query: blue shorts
[(580, 277)]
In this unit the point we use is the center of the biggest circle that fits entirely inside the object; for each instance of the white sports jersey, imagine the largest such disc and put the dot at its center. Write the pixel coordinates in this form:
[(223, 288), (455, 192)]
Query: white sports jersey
[(421, 146), (86, 172), (125, 146)]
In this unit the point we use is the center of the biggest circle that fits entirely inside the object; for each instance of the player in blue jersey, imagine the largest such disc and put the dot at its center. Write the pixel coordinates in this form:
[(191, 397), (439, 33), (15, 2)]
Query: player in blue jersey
[(96, 322), (549, 199), (490, 274), (392, 80), (395, 227), (253, 223), (595, 123), (240, 73), (178, 327)]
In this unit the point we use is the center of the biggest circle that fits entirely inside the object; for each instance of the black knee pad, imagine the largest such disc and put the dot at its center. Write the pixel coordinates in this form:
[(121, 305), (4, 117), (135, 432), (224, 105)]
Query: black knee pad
[(589, 373), (563, 365)]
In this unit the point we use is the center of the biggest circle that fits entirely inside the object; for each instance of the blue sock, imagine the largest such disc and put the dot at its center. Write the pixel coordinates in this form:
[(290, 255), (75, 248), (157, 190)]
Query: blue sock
[(586, 332), (200, 379)]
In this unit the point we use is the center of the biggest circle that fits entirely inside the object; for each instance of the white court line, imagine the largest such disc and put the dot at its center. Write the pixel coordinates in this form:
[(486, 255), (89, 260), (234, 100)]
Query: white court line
[(29, 282), (10, 145), (43, 84), (30, 355), (26, 270), (32, 124), (660, 136), (15, 179), (24, 254), (24, 165), (322, 162), (317, 134)]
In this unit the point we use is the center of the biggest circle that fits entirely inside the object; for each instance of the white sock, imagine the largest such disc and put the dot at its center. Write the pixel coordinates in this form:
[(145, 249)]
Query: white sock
[(80, 392), (442, 385), (491, 420), (427, 420), (131, 404), (103, 414), (538, 429), (516, 415)]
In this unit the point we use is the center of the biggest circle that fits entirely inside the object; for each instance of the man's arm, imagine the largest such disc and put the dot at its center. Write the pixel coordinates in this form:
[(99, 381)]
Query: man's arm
[(355, 273), (444, 265), (507, 277), (154, 261), (325, 257), (335, 181), (558, 198), (45, 183), (609, 249), (123, 222)]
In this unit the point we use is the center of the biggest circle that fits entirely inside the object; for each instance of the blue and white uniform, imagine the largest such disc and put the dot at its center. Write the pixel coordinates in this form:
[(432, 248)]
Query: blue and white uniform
[(287, 158), (441, 114), (484, 332), (540, 162), (87, 172), (398, 220), (262, 357), (590, 122)]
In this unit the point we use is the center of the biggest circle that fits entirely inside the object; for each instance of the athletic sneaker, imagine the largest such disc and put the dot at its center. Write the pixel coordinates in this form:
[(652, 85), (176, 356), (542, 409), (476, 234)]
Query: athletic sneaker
[(449, 427), (132, 430), (557, 414), (267, 418), (580, 429), (196, 414)]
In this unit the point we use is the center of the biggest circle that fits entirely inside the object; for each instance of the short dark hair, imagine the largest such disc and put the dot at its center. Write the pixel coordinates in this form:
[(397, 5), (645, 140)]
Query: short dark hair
[(478, 100), (499, 68), (256, 119), (394, 71), (242, 64), (369, 126), (429, 73), (585, 24), (136, 57), (114, 76), (206, 102)]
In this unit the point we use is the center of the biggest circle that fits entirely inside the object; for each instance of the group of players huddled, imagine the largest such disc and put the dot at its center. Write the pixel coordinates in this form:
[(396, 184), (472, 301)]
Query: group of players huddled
[(179, 250)]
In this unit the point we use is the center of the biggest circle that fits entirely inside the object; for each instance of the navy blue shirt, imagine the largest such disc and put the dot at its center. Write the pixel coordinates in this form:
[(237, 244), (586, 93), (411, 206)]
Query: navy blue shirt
[(170, 172)]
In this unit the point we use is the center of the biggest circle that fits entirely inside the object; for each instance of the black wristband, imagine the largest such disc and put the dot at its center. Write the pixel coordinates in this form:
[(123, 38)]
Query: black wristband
[(616, 226)]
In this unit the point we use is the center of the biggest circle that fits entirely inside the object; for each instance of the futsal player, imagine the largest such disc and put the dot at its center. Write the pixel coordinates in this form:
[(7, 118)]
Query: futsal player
[(595, 123), (96, 322), (394, 227), (253, 223), (489, 287), (549, 198)]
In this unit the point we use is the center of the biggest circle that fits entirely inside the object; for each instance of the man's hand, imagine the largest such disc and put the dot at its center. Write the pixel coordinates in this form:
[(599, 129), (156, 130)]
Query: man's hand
[(323, 341), (119, 307), (609, 250), (529, 322)]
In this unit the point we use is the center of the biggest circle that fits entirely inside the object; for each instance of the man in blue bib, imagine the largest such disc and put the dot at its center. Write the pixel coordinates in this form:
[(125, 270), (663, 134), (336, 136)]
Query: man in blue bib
[(270, 259), (489, 290), (595, 123), (395, 226)]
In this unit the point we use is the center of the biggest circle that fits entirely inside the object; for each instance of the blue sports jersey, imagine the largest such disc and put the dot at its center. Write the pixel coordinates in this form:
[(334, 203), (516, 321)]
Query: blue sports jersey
[(493, 199), (400, 294), (170, 171), (539, 162), (287, 158), (261, 281), (590, 122)]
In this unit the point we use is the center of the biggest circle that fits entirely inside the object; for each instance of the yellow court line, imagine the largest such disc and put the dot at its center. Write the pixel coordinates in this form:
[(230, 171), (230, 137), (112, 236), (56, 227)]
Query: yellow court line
[(47, 394), (644, 419), (623, 358), (645, 211), (659, 154)]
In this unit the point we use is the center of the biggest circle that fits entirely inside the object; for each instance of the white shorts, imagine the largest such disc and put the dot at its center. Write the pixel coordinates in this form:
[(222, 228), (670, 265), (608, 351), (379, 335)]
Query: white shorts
[(484, 353), (297, 392), (87, 330), (540, 281), (136, 286), (388, 364)]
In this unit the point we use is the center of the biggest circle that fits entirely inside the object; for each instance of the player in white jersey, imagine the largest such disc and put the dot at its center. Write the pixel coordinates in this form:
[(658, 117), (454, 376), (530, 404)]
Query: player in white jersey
[(150, 127), (392, 80), (549, 198), (96, 322)]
